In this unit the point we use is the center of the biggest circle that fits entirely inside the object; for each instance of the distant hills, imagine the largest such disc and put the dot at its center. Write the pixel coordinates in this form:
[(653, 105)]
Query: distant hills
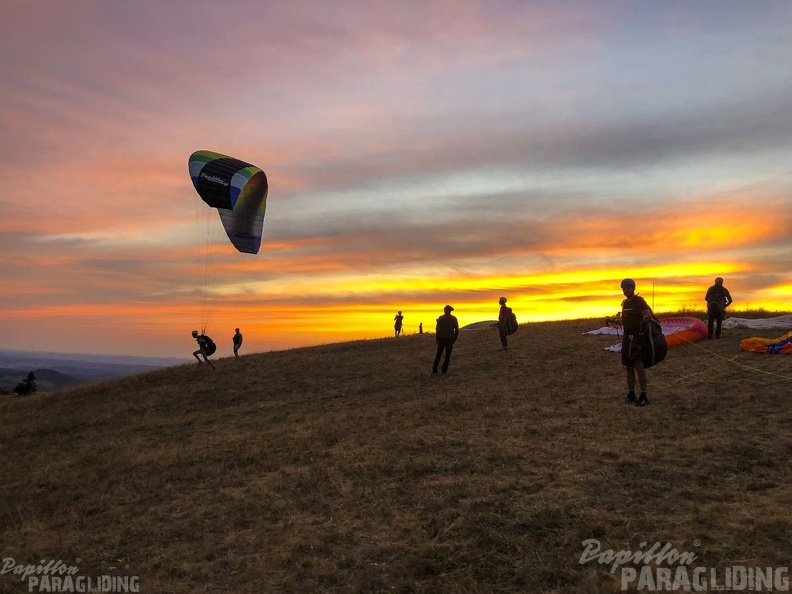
[(47, 380), (54, 371), (480, 325)]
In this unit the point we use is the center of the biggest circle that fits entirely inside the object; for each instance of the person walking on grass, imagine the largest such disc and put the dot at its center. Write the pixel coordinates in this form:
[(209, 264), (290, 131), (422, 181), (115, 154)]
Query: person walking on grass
[(446, 334), (397, 322), (718, 299), (206, 347), (237, 340), (635, 311)]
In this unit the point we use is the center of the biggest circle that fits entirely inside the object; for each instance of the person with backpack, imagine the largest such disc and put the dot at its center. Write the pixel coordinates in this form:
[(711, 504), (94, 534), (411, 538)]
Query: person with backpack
[(504, 316), (446, 334), (718, 299), (206, 347), (635, 312), (398, 320), (237, 340)]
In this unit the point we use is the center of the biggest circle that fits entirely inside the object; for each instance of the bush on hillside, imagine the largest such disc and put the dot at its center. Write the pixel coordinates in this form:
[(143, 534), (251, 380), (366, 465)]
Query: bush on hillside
[(26, 386)]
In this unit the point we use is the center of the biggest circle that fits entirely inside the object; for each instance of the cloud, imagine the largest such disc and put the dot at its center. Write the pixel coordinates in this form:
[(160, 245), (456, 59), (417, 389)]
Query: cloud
[(415, 152)]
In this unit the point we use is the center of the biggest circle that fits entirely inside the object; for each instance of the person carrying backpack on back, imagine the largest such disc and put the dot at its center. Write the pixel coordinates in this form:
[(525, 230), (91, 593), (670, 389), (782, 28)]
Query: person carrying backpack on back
[(635, 311), (206, 347), (446, 334), (504, 316), (718, 299)]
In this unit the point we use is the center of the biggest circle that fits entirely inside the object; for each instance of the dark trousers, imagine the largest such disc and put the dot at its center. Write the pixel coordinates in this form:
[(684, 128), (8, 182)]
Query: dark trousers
[(448, 346), (502, 332), (717, 321)]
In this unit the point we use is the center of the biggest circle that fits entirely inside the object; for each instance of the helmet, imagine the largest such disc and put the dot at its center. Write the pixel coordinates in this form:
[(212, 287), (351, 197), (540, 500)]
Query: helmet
[(502, 300), (195, 333), (719, 281), (628, 282)]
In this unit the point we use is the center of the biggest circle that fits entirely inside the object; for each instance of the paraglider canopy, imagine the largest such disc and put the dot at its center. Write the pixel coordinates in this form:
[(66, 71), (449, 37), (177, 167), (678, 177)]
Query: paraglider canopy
[(238, 190)]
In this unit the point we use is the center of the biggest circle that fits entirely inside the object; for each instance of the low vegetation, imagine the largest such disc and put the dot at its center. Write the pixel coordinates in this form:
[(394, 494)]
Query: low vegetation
[(350, 468)]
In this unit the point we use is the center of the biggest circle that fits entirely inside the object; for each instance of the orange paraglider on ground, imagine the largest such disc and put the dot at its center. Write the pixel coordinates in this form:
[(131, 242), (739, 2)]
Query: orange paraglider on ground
[(679, 331), (771, 346)]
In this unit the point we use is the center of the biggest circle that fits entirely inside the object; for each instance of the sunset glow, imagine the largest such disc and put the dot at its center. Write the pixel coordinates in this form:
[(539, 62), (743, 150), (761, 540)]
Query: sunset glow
[(417, 155)]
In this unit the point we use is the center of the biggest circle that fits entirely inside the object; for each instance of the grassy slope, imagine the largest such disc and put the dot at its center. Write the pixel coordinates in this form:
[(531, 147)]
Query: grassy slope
[(349, 467)]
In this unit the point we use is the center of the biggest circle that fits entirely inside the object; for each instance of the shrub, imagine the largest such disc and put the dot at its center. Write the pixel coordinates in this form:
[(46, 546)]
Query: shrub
[(27, 385)]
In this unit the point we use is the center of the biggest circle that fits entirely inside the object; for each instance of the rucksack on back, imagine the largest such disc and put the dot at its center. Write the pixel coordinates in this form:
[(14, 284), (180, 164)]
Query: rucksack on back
[(211, 347), (511, 323), (655, 344)]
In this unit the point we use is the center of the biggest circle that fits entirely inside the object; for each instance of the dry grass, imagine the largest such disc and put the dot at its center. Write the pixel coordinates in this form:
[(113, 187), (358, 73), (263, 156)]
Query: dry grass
[(351, 468)]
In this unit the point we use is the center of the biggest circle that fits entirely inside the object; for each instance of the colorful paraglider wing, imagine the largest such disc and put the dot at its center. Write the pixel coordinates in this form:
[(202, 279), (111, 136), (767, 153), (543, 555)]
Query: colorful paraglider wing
[(679, 331), (771, 346), (238, 191)]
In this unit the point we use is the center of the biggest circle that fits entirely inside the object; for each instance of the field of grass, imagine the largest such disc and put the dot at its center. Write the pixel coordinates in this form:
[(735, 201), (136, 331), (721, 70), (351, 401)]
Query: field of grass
[(351, 468)]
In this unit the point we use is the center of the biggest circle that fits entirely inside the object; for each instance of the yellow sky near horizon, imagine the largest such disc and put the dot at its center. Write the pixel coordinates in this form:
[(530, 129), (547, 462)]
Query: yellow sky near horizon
[(416, 156)]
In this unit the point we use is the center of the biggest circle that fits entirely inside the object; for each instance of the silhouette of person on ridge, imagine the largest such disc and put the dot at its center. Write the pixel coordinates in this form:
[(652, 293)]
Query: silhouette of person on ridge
[(503, 320), (237, 340), (397, 326), (446, 334), (718, 299), (206, 347)]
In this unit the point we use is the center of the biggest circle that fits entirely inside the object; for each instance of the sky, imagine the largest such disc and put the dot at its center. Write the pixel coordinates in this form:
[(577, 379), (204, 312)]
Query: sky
[(418, 154)]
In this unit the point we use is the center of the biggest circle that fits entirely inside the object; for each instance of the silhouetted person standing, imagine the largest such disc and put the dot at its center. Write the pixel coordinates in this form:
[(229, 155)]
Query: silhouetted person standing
[(398, 320), (237, 339), (503, 320), (446, 334), (420, 328), (718, 299), (635, 311)]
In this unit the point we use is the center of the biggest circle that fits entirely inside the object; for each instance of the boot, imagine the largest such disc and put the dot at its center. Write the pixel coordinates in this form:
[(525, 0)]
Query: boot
[(631, 398), (642, 400)]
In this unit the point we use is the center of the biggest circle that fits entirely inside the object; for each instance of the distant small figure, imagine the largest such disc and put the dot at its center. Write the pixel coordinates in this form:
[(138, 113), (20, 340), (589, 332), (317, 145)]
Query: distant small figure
[(718, 299), (420, 328), (397, 326), (206, 347), (237, 341), (503, 318), (634, 312), (446, 333)]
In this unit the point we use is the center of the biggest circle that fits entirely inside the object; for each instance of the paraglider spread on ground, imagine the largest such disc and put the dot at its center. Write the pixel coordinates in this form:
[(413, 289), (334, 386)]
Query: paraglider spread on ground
[(771, 346), (677, 331)]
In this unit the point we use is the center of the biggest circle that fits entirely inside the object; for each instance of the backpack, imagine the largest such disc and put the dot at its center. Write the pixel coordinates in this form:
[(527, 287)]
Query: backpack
[(210, 346), (714, 309), (655, 345), (511, 323)]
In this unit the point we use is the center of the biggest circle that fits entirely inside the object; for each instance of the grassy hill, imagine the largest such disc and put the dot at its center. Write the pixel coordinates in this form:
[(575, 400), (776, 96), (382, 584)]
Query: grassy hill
[(350, 468)]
